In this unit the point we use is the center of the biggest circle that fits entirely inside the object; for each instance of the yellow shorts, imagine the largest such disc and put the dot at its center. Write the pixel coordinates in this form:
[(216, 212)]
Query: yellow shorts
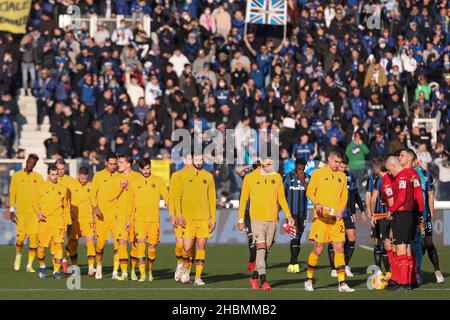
[(323, 232), (103, 229), (26, 224), (197, 229), (148, 230), (178, 232), (48, 233), (83, 228), (120, 230)]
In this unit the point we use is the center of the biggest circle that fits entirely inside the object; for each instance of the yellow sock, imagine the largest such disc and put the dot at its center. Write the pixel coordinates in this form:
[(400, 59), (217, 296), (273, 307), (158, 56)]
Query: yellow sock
[(19, 243), (313, 260), (123, 258), (179, 252), (141, 258), (58, 257), (133, 256), (191, 260), (33, 248), (90, 253), (99, 252), (41, 257), (52, 251), (186, 256), (339, 262), (151, 256), (199, 263)]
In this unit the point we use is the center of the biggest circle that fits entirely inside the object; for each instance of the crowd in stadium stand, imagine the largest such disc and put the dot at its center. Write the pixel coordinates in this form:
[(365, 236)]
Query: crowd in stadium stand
[(334, 80)]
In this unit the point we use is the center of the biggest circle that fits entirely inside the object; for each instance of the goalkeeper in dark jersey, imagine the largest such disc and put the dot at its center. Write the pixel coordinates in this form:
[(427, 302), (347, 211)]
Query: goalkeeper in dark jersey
[(295, 186), (349, 220)]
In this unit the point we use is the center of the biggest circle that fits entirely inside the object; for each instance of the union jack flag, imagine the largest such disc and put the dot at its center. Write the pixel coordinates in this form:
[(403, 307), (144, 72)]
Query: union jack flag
[(271, 12)]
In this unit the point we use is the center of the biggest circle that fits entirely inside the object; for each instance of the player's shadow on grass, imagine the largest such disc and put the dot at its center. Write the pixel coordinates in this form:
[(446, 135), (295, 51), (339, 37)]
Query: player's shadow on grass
[(299, 281), (429, 277), (302, 264), (225, 277), (163, 274)]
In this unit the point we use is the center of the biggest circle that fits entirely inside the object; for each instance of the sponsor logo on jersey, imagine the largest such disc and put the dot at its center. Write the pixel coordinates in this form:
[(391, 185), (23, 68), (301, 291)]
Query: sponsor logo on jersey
[(402, 184)]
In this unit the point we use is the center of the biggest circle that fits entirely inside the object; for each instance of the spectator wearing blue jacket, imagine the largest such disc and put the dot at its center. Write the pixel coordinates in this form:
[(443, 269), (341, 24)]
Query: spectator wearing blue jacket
[(358, 104), (87, 91), (6, 130), (238, 22), (257, 75), (304, 149), (328, 131), (222, 93), (43, 91)]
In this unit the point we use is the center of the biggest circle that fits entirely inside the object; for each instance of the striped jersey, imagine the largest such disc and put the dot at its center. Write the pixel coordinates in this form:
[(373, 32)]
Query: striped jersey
[(380, 206), (352, 190), (427, 184), (295, 192)]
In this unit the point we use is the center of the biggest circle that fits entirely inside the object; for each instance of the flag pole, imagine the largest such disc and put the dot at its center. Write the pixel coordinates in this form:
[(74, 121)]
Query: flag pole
[(285, 20)]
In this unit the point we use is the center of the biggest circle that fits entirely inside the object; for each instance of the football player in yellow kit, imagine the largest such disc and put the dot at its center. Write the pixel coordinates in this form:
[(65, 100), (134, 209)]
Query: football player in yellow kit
[(178, 230), (52, 209), (83, 223), (145, 193), (72, 242), (104, 193), (327, 190), (24, 184), (123, 221), (264, 188), (196, 212)]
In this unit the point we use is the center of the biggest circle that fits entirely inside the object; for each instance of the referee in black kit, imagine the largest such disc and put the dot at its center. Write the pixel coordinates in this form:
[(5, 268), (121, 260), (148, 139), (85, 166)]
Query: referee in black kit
[(295, 185)]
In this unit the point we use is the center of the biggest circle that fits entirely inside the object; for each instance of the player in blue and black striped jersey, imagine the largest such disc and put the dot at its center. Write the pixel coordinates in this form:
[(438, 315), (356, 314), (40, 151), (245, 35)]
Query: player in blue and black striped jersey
[(380, 231), (242, 172), (349, 220), (427, 184), (295, 185)]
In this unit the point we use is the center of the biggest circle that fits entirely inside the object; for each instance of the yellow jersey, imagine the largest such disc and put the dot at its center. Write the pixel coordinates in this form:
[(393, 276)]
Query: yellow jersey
[(145, 194), (123, 200), (51, 200), (81, 205), (266, 194), (329, 189), (196, 195), (22, 189), (104, 193), (174, 191)]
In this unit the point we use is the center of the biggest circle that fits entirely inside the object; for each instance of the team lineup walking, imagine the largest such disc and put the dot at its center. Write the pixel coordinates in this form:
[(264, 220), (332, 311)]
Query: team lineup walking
[(125, 204)]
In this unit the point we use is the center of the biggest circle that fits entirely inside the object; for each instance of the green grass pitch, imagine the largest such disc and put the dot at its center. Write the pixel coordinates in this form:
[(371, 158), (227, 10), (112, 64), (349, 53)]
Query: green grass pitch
[(225, 276)]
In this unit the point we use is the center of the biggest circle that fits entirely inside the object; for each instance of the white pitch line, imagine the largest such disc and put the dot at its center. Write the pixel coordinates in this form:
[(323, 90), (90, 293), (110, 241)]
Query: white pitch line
[(196, 289), (365, 247)]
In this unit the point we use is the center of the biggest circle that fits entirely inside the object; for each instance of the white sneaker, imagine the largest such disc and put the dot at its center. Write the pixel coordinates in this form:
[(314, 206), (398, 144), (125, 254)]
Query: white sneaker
[(185, 276), (345, 288), (17, 262), (439, 276), (198, 282), (348, 272), (418, 279), (98, 273), (378, 273), (334, 273), (115, 275), (309, 285), (178, 272), (91, 272)]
